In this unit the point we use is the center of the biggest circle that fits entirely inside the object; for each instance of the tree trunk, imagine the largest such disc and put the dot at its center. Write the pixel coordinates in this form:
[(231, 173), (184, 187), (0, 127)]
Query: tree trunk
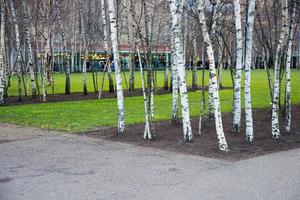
[(147, 127), (65, 62), (276, 87), (176, 10), (130, 9), (115, 47), (149, 12), (105, 42), (17, 40), (30, 54), (288, 102), (248, 56), (213, 77), (238, 68), (194, 67), (166, 73), (2, 51), (174, 86), (84, 49)]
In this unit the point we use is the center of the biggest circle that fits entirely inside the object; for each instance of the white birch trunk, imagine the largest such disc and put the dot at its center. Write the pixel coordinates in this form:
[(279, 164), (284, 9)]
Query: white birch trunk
[(64, 62), (238, 68), (177, 34), (147, 127), (220, 64), (73, 41), (166, 73), (194, 67), (149, 13), (288, 101), (30, 55), (212, 68), (46, 55), (2, 52), (105, 43), (130, 9), (84, 49), (248, 56), (115, 47), (18, 49), (276, 87), (174, 62)]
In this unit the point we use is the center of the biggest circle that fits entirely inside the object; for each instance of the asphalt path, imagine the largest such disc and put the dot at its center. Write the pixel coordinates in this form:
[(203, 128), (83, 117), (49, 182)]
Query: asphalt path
[(37, 164)]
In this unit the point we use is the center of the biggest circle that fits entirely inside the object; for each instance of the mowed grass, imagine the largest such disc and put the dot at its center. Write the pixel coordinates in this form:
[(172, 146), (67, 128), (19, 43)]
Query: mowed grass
[(77, 83), (79, 116)]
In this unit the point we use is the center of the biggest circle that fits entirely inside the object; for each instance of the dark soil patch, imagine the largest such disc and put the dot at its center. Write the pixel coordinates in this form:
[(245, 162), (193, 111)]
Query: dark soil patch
[(170, 137), (80, 96)]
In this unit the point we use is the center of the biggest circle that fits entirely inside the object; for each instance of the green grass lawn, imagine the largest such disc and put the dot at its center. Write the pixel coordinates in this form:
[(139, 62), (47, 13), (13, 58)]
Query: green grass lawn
[(77, 84), (81, 116)]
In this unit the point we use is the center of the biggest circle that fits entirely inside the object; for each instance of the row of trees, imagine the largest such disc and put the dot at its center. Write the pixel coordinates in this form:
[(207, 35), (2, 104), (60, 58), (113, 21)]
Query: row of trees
[(218, 31)]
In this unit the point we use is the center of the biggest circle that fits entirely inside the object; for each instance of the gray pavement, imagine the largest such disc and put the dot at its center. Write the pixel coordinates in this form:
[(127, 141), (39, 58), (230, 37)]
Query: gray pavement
[(36, 165)]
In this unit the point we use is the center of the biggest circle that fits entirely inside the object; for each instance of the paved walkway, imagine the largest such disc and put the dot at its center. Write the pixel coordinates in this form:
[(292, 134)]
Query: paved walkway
[(36, 164)]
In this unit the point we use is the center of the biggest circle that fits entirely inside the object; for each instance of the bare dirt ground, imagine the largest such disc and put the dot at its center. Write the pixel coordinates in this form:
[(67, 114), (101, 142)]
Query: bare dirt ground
[(170, 137)]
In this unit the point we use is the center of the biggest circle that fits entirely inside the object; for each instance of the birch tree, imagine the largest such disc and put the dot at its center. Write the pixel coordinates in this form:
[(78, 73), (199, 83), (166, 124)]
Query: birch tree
[(176, 10), (147, 127), (288, 102), (131, 36), (84, 48), (115, 47), (194, 67), (248, 58), (105, 43), (73, 40), (213, 77), (2, 47), (64, 47), (17, 47), (30, 54), (276, 82), (175, 119), (46, 36), (166, 72), (149, 13), (238, 67)]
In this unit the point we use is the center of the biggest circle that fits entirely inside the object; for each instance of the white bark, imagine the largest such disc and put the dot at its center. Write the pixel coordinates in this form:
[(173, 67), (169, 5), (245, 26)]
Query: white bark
[(131, 36), (147, 128), (30, 55), (177, 34), (174, 86), (46, 55), (276, 87), (115, 47), (238, 68), (212, 68), (194, 67), (220, 63), (2, 51), (73, 41), (166, 73), (105, 43), (149, 13), (288, 101), (248, 56), (64, 45), (84, 49), (17, 40)]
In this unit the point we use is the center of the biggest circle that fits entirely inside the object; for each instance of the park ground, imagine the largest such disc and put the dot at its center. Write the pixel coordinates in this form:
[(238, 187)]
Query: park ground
[(38, 164), (85, 115), (40, 159)]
